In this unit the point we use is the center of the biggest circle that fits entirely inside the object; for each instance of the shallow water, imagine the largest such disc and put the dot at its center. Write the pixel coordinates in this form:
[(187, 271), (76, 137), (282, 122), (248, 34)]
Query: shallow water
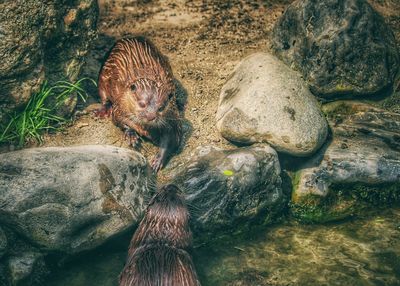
[(357, 252)]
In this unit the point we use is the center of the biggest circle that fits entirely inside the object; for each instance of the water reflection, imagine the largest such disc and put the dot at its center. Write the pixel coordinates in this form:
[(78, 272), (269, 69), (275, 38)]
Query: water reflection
[(357, 252)]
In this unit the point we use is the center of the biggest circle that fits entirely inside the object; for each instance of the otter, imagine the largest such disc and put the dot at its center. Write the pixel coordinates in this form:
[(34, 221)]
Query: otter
[(136, 87), (158, 252)]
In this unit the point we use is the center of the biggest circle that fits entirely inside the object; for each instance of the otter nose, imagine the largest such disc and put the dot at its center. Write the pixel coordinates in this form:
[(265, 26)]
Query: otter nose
[(150, 116)]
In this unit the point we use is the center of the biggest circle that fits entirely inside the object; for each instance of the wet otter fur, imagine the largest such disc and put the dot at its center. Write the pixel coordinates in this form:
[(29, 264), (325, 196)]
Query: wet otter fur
[(158, 250), (136, 87)]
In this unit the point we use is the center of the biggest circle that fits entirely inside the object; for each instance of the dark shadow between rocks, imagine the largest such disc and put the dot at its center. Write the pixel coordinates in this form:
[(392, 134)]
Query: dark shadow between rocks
[(293, 164), (113, 253), (95, 59), (181, 100), (376, 96)]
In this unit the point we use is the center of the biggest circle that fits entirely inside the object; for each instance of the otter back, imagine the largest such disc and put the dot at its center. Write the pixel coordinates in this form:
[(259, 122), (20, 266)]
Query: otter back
[(159, 265), (158, 253)]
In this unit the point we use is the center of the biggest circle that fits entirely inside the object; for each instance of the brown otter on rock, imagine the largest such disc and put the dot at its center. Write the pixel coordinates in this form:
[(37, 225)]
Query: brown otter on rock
[(136, 86), (158, 251)]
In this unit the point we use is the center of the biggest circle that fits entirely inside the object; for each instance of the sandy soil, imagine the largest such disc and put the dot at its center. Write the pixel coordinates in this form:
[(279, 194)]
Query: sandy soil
[(203, 40)]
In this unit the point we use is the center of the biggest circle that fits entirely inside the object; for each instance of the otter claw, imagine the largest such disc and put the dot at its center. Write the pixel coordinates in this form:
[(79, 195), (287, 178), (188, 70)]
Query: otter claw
[(157, 163), (132, 138), (104, 111)]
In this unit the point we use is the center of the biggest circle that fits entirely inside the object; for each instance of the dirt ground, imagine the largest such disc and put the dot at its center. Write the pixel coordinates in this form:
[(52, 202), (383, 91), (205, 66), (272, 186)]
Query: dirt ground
[(203, 40)]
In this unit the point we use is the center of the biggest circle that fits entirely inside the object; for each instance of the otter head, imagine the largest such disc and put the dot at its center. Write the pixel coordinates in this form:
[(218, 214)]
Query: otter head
[(168, 199), (151, 100), (166, 220)]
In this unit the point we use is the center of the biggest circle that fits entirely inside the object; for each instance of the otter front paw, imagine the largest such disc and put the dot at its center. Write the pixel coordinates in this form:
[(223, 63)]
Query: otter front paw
[(158, 161), (133, 138), (104, 111)]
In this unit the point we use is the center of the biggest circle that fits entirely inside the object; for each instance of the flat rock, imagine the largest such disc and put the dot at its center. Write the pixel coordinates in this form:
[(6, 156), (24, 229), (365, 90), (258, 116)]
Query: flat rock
[(227, 189), (265, 101), (343, 48), (72, 199), (360, 168)]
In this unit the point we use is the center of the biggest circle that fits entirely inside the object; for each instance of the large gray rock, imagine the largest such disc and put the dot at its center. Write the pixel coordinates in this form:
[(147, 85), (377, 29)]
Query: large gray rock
[(265, 101), (360, 168), (227, 189), (42, 40), (75, 198), (342, 47)]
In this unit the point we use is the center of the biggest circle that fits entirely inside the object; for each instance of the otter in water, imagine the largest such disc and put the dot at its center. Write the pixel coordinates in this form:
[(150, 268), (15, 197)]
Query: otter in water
[(158, 251), (136, 87)]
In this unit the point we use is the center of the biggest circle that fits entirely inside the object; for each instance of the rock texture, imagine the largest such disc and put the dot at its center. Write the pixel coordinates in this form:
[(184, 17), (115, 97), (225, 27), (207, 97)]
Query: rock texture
[(72, 199), (342, 47), (41, 40), (359, 168), (265, 101), (227, 189), (3, 242), (27, 269)]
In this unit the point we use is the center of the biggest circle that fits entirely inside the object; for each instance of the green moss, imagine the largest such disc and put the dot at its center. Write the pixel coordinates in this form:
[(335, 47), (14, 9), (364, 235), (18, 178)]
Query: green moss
[(341, 88), (345, 200), (335, 109), (295, 180)]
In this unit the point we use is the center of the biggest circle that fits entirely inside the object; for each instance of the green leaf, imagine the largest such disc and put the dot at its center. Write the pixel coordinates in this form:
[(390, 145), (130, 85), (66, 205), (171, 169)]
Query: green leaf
[(228, 173)]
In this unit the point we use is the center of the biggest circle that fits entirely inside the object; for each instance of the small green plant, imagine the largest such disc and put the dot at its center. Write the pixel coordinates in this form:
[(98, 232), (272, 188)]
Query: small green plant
[(40, 114)]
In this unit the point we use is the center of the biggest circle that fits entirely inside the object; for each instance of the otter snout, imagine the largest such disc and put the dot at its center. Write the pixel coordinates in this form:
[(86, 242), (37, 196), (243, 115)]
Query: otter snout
[(150, 116)]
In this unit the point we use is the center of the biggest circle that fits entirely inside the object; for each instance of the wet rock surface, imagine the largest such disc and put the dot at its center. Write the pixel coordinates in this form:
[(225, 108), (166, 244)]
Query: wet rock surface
[(42, 41), (265, 101), (342, 47), (359, 169), (27, 269), (3, 242), (72, 199), (228, 189)]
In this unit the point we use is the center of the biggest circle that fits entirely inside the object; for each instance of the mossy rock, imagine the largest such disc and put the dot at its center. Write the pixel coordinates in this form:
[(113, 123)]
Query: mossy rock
[(344, 201), (356, 171)]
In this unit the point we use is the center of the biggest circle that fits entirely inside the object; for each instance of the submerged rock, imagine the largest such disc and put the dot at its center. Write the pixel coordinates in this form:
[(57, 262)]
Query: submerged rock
[(265, 101), (72, 199), (27, 269), (360, 168), (3, 242), (342, 47), (42, 40), (227, 189)]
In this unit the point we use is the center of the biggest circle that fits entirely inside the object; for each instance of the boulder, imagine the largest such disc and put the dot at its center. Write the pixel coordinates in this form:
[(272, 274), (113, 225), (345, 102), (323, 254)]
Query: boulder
[(227, 189), (265, 101), (75, 198), (358, 170), (42, 40), (342, 47)]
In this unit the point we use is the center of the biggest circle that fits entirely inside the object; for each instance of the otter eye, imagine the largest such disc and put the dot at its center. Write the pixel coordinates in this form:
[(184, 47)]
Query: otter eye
[(133, 87), (161, 108)]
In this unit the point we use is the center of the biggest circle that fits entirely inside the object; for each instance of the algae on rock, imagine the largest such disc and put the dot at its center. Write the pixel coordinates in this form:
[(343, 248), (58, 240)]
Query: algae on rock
[(357, 170)]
